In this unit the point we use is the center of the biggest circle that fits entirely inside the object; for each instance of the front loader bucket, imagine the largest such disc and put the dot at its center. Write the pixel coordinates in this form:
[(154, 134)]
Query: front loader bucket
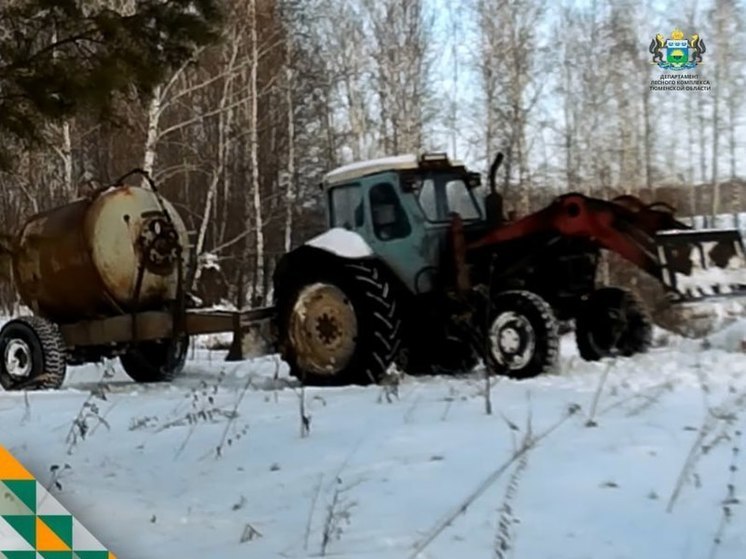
[(702, 264)]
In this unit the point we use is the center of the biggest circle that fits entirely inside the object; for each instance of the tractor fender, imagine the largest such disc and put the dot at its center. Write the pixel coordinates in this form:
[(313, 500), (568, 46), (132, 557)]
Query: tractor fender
[(326, 250), (334, 250), (342, 243)]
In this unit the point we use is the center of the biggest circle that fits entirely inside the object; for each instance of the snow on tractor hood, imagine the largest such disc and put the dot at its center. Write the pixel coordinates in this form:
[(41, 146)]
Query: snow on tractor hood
[(343, 243)]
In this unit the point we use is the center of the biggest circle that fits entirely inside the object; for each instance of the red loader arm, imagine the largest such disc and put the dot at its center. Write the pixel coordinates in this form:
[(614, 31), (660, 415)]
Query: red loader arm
[(626, 226), (692, 264)]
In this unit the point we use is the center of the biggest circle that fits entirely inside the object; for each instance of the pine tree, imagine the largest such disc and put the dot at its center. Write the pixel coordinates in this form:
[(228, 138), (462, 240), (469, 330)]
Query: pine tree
[(60, 58)]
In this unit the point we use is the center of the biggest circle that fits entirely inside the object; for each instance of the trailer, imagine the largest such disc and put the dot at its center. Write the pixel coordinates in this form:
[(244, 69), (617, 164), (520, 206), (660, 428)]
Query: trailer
[(105, 277)]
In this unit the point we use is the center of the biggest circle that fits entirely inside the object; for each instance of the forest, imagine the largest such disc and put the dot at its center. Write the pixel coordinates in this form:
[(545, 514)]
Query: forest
[(240, 134)]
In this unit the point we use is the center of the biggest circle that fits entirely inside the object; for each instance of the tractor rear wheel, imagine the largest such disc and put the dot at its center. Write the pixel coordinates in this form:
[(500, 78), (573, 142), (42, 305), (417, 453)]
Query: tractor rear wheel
[(156, 361), (33, 355), (612, 322), (338, 323), (522, 341)]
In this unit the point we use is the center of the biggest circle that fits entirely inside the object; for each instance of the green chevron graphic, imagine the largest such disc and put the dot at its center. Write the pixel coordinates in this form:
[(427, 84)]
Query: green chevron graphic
[(33, 524)]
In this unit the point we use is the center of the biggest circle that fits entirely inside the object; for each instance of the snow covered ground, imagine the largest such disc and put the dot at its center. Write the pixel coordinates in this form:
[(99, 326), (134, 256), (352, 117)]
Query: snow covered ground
[(646, 468)]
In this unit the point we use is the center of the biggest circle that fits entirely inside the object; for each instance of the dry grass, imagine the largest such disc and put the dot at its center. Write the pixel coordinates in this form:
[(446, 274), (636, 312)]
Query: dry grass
[(506, 534), (730, 500), (89, 416), (338, 514), (529, 443)]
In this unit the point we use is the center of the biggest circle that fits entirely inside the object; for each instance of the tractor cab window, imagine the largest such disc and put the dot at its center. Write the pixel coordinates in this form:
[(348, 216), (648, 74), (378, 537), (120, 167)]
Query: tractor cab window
[(389, 219), (460, 200), (428, 200), (441, 196), (347, 207)]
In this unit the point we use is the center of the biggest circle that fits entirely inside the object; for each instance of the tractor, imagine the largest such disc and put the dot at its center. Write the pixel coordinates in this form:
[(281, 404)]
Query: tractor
[(415, 269)]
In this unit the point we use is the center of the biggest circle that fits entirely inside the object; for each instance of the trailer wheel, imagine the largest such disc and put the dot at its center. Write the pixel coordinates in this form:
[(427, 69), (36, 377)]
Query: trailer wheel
[(522, 341), (338, 323), (612, 322), (156, 361), (33, 353)]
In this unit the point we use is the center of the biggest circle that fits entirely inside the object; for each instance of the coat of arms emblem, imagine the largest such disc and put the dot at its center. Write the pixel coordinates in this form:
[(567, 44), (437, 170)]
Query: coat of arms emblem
[(677, 52)]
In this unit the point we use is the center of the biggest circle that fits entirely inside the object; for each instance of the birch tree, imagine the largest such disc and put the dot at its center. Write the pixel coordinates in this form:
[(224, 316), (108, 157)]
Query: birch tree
[(348, 68), (722, 11), (290, 188), (401, 37), (512, 80), (254, 150)]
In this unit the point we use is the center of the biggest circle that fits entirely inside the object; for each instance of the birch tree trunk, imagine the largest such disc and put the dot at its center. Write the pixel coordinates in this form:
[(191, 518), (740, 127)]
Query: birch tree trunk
[(290, 193), (66, 153), (67, 158), (732, 117), (702, 121), (151, 141), (569, 107), (691, 163), (717, 93), (224, 141), (648, 135), (254, 150)]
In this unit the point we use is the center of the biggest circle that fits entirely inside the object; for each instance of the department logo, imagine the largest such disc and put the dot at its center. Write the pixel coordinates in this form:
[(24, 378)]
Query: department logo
[(33, 525), (677, 52)]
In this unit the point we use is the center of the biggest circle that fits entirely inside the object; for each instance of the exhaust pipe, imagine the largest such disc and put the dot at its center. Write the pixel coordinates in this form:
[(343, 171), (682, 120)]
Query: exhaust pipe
[(493, 202)]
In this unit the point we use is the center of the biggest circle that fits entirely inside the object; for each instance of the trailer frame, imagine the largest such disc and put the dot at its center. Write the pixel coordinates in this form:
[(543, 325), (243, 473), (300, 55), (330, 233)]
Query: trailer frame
[(162, 325)]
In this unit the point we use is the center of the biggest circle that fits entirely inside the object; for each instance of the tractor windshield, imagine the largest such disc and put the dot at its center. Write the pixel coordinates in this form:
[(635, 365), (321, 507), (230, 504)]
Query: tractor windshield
[(442, 195)]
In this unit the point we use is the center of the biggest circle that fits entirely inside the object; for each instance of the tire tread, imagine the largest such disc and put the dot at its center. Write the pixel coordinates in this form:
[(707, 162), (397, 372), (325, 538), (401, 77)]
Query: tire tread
[(636, 340), (549, 358), (54, 355), (372, 294)]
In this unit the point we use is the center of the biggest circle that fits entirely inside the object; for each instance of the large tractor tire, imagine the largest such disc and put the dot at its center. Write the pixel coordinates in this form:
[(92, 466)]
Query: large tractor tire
[(522, 340), (149, 362), (338, 323), (33, 355), (612, 322)]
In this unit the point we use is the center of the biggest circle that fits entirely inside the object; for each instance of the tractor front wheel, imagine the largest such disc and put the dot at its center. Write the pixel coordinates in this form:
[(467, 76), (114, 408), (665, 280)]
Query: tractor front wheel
[(612, 322), (522, 340), (338, 324)]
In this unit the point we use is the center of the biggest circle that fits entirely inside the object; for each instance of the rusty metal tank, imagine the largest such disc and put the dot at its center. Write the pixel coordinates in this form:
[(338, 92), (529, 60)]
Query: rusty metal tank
[(116, 252)]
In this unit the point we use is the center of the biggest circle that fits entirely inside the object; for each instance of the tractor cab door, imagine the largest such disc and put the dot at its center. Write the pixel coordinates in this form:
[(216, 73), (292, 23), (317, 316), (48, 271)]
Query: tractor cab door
[(439, 196), (408, 225), (396, 232)]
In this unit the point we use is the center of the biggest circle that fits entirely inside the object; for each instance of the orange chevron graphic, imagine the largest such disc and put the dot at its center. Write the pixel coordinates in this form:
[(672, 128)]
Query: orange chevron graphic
[(46, 539), (10, 468)]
